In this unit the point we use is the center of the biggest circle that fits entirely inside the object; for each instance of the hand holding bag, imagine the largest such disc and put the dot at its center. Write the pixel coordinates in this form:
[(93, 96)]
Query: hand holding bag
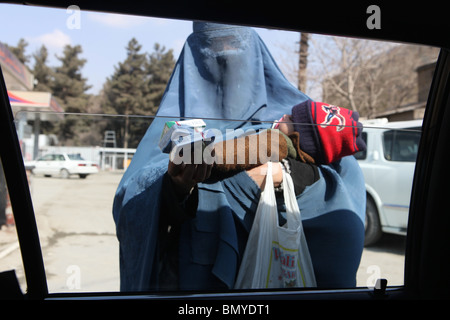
[(276, 257)]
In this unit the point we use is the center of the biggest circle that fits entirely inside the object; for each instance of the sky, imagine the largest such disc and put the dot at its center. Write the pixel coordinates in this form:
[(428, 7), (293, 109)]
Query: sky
[(103, 37)]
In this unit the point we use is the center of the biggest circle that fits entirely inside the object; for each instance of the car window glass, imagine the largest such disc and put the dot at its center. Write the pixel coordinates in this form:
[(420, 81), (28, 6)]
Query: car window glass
[(101, 127), (75, 157), (401, 145), (49, 157), (408, 146)]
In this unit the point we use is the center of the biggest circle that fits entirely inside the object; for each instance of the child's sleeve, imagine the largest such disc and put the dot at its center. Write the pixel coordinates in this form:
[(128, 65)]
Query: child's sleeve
[(250, 151)]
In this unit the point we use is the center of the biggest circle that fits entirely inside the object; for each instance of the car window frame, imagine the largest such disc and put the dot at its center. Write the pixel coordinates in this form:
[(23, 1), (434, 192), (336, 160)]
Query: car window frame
[(20, 197), (362, 155), (29, 240)]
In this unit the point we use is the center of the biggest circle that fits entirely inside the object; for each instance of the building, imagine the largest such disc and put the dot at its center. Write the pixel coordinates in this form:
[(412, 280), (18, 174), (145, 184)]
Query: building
[(415, 110), (27, 105)]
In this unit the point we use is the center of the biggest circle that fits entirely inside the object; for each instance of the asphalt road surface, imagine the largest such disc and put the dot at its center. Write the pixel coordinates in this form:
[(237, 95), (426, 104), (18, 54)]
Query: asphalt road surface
[(81, 251)]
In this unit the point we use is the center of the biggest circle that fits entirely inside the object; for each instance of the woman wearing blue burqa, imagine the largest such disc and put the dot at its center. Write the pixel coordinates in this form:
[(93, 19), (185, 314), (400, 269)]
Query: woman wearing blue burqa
[(181, 229)]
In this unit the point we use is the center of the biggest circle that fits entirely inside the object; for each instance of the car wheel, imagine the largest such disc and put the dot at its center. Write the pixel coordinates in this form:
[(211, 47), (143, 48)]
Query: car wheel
[(82, 176), (372, 224), (64, 174)]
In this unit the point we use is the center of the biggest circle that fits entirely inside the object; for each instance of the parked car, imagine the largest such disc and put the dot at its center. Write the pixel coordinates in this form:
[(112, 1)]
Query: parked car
[(388, 165), (63, 165)]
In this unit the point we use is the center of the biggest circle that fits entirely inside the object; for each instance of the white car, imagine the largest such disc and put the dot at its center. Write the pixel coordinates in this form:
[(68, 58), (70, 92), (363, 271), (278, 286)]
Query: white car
[(63, 165), (388, 165)]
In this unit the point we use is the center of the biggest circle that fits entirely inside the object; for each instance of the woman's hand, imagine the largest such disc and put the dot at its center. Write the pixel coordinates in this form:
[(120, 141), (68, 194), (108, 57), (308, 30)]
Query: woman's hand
[(259, 173), (186, 176)]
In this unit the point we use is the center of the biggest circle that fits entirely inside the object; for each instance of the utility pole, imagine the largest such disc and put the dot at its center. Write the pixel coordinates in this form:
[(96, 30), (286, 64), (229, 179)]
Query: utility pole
[(303, 60)]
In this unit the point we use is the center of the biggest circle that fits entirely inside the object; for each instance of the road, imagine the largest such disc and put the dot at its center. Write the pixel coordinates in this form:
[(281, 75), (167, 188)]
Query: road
[(77, 232), (81, 251)]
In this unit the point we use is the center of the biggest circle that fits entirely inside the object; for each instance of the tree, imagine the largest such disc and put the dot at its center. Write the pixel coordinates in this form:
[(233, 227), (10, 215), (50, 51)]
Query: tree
[(126, 89), (19, 51), (42, 73), (136, 88), (303, 60), (369, 76), (159, 69), (43, 81), (68, 84), (350, 72), (70, 88)]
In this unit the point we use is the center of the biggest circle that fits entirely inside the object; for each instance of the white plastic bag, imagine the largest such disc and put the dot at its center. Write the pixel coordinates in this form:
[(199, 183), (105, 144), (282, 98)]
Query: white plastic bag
[(276, 257)]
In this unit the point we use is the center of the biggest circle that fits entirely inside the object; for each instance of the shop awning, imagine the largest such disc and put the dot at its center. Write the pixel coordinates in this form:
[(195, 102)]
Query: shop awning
[(35, 101)]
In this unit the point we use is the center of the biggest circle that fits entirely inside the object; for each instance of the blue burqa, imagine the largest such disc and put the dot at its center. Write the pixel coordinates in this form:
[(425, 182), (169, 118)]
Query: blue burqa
[(226, 73)]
